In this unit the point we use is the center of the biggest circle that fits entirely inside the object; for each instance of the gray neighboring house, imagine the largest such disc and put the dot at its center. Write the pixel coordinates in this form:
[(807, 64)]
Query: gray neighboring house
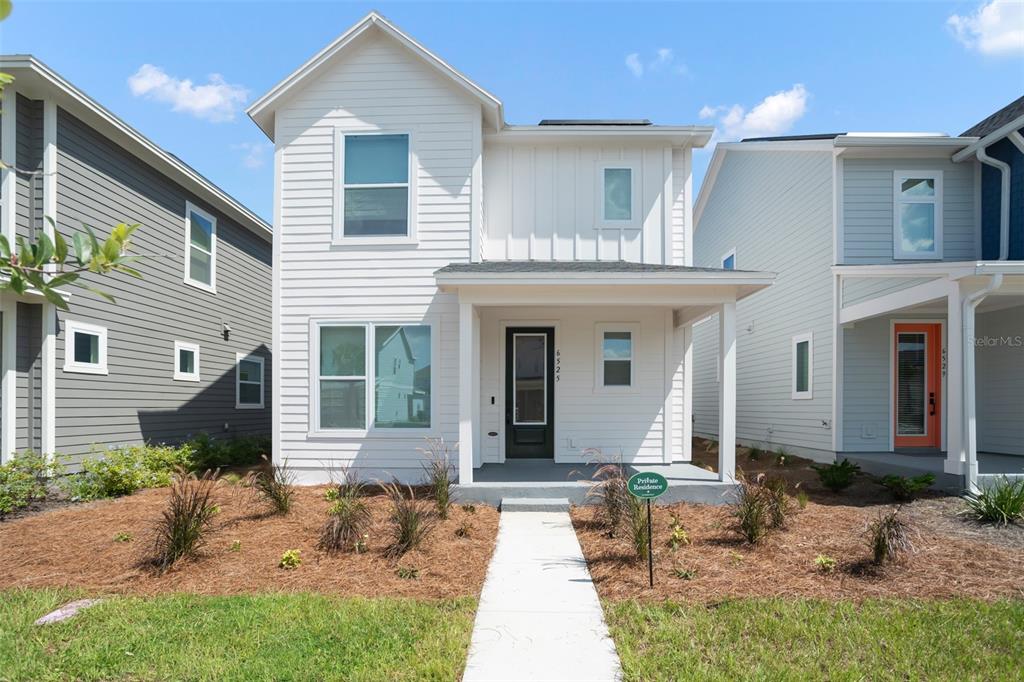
[(894, 333), (186, 349)]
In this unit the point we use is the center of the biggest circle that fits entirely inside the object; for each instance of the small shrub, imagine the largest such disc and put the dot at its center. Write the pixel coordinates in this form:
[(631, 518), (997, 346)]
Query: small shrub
[(759, 507), (123, 536), (907, 489), (776, 500), (236, 546), (837, 476), (463, 531), (347, 520), (755, 454), (802, 499), (679, 536), (636, 526), (24, 479), (124, 470), (825, 563), (889, 538), (608, 487), (331, 494), (685, 573), (291, 559), (469, 508), (273, 485), (183, 524), (439, 474), (210, 453), (410, 522), (1000, 503), (407, 572)]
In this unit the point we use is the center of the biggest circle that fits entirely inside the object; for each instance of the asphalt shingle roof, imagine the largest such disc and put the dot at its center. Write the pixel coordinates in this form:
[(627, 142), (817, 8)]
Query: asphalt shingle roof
[(1011, 111)]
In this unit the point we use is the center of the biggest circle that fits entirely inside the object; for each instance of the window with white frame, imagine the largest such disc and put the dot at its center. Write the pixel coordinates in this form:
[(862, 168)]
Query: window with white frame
[(248, 381), (616, 344), (917, 215), (200, 248), (186, 361), (729, 260), (398, 358), (617, 194), (374, 188), (85, 348), (803, 366)]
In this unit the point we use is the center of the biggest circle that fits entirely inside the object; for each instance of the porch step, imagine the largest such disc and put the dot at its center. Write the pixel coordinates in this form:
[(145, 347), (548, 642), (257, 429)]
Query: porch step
[(534, 504)]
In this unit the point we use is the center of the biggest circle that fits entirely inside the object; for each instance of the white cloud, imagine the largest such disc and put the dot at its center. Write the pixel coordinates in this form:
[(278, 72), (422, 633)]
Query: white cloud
[(995, 28), (254, 154), (634, 64), (215, 100), (664, 60), (774, 115)]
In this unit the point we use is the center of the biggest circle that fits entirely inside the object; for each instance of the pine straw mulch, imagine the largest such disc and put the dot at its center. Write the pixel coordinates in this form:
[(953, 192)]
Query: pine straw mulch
[(75, 547), (782, 565)]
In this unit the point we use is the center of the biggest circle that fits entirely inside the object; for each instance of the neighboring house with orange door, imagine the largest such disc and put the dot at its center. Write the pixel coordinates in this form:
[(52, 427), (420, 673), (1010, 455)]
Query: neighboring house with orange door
[(894, 334)]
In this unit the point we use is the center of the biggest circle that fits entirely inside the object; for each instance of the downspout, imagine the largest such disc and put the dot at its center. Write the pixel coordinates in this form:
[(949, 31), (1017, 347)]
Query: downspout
[(1004, 200), (968, 416)]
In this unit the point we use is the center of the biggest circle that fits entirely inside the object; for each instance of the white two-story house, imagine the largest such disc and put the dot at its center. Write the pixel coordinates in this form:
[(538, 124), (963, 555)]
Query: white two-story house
[(538, 277), (894, 334)]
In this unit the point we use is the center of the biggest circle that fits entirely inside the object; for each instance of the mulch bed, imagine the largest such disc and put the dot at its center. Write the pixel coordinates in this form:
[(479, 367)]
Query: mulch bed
[(75, 547)]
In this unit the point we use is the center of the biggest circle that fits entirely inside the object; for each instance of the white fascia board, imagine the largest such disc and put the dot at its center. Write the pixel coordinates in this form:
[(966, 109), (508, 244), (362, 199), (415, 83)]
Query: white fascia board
[(903, 141), (678, 136), (950, 269), (603, 278), (262, 110), (994, 136), (39, 81)]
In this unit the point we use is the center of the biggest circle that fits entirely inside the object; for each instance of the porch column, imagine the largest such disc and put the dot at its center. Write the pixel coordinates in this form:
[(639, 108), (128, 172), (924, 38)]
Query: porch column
[(727, 391), (969, 435), (467, 380), (687, 417), (8, 384), (955, 456)]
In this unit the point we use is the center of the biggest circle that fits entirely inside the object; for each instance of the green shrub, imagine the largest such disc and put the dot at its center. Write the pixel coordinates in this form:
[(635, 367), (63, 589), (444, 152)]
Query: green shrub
[(212, 453), (776, 500), (410, 521), (837, 476), (679, 536), (290, 559), (407, 572), (124, 470), (907, 489), (889, 538), (825, 563), (123, 536), (184, 522), (273, 485), (751, 511), (1000, 503), (24, 479), (802, 499), (755, 454), (347, 520), (685, 573), (608, 487), (439, 474), (636, 526), (236, 546)]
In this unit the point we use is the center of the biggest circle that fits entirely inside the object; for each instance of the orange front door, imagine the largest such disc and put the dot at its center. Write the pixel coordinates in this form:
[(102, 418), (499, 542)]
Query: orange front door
[(917, 373)]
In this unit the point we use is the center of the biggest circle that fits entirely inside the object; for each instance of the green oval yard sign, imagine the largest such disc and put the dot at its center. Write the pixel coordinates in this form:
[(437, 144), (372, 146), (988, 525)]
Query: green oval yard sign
[(647, 485)]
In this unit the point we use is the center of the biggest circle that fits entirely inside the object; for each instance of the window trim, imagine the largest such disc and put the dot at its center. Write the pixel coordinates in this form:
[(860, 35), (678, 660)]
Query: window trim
[(338, 237), (71, 327), (797, 340), (239, 405), (726, 255), (186, 376), (212, 286), (898, 177), (633, 328), (370, 430), (633, 221)]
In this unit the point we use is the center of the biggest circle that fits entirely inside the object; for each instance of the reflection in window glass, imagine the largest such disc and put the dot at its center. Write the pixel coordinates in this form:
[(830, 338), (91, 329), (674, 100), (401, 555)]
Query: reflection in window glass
[(402, 381)]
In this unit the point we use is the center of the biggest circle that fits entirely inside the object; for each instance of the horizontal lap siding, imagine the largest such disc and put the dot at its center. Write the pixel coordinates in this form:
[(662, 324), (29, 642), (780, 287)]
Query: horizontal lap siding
[(29, 185), (1000, 372), (377, 85), (868, 208), (775, 209), (29, 378), (100, 184)]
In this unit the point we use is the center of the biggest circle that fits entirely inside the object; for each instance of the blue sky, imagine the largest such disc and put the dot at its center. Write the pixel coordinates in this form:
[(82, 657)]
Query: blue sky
[(749, 68)]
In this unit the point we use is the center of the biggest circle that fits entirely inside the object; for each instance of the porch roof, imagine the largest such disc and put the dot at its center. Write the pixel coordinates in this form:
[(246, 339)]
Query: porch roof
[(597, 282)]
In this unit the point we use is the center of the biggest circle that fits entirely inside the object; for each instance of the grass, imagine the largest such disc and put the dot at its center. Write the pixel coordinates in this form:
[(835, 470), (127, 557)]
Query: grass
[(876, 640), (252, 637)]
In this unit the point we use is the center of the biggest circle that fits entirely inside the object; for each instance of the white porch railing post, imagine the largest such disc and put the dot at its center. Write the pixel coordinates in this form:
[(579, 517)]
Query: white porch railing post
[(727, 392), (954, 383), (466, 353), (687, 416)]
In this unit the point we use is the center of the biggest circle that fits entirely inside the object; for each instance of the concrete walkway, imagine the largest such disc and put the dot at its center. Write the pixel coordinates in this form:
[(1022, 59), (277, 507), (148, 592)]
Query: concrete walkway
[(539, 616)]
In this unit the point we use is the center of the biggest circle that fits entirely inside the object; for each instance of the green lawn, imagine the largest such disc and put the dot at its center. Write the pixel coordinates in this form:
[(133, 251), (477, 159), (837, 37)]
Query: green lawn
[(260, 637), (776, 639)]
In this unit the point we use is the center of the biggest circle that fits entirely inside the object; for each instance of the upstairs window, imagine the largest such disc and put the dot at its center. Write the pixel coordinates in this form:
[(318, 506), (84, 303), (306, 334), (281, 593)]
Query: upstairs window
[(729, 260), (374, 192), (917, 215), (200, 248), (617, 195)]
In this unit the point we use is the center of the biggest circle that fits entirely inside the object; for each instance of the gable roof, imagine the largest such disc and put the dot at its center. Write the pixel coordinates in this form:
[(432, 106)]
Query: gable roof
[(1010, 112), (262, 110), (37, 80)]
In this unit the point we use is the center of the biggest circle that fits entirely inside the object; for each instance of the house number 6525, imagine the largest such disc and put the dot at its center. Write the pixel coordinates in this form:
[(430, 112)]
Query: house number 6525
[(558, 365)]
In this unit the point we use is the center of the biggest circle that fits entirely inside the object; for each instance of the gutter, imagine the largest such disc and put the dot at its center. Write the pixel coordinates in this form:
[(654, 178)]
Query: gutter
[(1004, 199), (969, 412)]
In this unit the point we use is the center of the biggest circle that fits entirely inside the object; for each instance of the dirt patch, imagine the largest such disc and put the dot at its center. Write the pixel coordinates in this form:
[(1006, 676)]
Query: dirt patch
[(75, 547), (944, 565)]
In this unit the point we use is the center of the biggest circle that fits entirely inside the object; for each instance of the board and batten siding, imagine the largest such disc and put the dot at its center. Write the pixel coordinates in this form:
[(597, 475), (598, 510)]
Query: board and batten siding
[(100, 184), (868, 211), (1000, 381), (775, 209), (374, 85), (543, 202)]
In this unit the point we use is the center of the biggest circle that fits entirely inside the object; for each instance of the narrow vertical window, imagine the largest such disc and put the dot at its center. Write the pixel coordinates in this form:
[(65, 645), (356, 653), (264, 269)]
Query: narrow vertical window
[(615, 367), (248, 381), (802, 366), (200, 248), (342, 377), (917, 215), (618, 194), (402, 377)]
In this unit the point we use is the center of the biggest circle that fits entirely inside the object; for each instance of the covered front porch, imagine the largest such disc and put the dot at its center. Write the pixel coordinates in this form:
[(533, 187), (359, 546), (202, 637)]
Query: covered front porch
[(562, 365)]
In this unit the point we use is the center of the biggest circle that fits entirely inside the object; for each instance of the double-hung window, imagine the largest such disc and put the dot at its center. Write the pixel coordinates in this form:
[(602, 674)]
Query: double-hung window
[(803, 367), (917, 215), (248, 381), (85, 348), (617, 195), (616, 359), (186, 361), (373, 376), (200, 248), (374, 191)]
